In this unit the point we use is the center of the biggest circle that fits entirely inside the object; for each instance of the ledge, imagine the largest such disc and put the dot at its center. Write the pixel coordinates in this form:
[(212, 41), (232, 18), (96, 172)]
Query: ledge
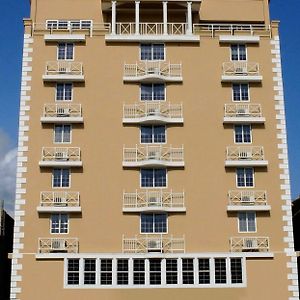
[(152, 120), (61, 163), (242, 78), (152, 78), (156, 209), (153, 163), (241, 120), (248, 208), (64, 37), (250, 39), (246, 163), (63, 77), (50, 209), (62, 120)]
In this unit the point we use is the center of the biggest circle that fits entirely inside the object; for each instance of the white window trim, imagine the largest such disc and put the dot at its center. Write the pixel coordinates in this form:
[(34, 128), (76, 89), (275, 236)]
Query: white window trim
[(59, 143), (238, 44), (154, 233), (50, 219), (243, 143), (65, 59), (64, 187), (255, 220), (142, 101), (153, 143), (140, 51), (154, 187), (240, 101), (244, 187), (72, 93)]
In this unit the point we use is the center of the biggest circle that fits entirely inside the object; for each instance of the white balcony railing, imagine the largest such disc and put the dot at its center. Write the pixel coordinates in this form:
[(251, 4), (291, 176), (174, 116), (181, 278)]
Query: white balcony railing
[(243, 110), (153, 243), (153, 155), (159, 70), (153, 200), (249, 244), (63, 112), (57, 245), (59, 199), (247, 198), (64, 68), (252, 153), (153, 111), (60, 156), (241, 68)]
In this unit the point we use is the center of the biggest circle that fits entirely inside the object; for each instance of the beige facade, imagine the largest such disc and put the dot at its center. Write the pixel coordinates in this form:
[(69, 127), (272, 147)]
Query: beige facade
[(152, 153)]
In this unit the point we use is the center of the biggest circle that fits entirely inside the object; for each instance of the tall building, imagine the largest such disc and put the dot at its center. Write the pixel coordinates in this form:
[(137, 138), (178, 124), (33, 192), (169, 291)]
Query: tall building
[(6, 245), (152, 153)]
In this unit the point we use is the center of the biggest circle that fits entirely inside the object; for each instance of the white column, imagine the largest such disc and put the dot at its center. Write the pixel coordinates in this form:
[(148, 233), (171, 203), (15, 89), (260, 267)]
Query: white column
[(189, 29), (137, 17), (113, 17), (165, 14)]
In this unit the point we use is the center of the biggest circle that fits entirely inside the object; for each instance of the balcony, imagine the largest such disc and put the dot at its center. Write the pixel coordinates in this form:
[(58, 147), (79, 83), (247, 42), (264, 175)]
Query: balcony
[(154, 32), (154, 112), (59, 202), (153, 243), (153, 201), (241, 71), (247, 200), (245, 156), (249, 244), (61, 157), (153, 156), (62, 113), (57, 245), (60, 71), (152, 71), (243, 113)]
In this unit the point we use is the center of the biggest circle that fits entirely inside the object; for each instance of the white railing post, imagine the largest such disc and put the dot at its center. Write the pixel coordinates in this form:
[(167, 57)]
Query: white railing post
[(137, 17), (165, 16), (113, 17), (189, 29)]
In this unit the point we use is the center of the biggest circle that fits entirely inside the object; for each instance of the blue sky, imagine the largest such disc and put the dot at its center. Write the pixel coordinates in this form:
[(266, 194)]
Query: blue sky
[(11, 37)]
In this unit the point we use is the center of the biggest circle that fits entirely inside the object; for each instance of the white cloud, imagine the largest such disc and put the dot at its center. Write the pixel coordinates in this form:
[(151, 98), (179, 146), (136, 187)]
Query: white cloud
[(8, 160)]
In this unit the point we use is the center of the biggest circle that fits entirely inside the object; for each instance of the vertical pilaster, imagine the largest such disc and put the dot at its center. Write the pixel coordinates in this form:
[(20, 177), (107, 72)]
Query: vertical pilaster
[(137, 17), (165, 16), (113, 17)]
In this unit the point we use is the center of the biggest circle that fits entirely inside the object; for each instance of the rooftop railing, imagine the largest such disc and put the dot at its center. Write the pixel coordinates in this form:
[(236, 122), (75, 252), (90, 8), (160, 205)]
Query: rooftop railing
[(249, 244)]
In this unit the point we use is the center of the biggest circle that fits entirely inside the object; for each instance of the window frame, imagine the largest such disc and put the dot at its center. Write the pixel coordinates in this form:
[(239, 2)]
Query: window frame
[(140, 51), (89, 272), (153, 223), (154, 186), (152, 87), (245, 186), (60, 223), (65, 51), (247, 213), (239, 54), (63, 126), (152, 135), (61, 187), (64, 84), (240, 92), (243, 134)]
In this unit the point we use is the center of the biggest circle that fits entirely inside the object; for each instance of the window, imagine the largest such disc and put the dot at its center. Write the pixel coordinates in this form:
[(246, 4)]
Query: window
[(171, 271), (188, 271), (245, 177), (153, 223), (59, 223), (73, 272), (62, 133), (242, 134), (247, 221), (238, 52), (61, 178), (139, 271), (155, 91), (220, 270), (65, 51), (155, 271), (122, 271), (64, 91), (90, 271), (204, 273), (153, 177), (236, 270), (153, 134), (106, 271), (152, 51), (240, 92)]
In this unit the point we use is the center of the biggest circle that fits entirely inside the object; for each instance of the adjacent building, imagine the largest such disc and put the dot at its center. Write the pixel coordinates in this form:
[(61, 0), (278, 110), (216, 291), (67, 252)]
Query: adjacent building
[(152, 154)]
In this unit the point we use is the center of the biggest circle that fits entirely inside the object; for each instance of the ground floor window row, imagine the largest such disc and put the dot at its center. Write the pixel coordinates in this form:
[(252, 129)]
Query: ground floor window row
[(147, 272)]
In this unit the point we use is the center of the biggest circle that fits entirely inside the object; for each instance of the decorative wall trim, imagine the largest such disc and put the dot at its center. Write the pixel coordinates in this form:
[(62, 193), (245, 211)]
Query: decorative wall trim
[(18, 245), (284, 171)]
